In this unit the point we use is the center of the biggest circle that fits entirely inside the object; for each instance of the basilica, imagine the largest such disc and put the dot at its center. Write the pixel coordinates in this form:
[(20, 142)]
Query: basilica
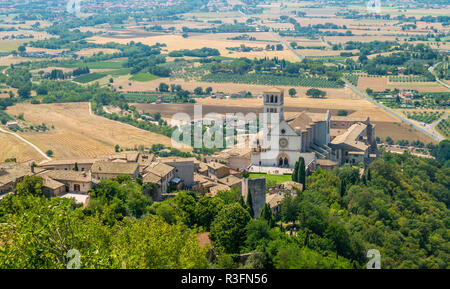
[(316, 137)]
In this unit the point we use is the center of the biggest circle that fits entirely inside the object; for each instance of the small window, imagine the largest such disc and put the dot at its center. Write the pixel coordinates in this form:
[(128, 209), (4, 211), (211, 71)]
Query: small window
[(283, 131)]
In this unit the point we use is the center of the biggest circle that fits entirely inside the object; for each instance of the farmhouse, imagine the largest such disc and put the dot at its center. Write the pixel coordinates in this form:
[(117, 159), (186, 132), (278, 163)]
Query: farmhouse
[(159, 174), (74, 182), (217, 170), (12, 173), (184, 168)]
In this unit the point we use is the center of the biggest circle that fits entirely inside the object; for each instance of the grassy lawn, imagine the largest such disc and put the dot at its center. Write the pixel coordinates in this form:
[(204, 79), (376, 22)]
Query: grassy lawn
[(143, 77), (8, 46), (273, 178)]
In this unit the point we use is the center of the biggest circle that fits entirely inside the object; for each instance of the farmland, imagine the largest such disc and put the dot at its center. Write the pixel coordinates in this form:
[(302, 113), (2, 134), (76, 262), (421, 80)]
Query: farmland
[(77, 133), (12, 147), (444, 127)]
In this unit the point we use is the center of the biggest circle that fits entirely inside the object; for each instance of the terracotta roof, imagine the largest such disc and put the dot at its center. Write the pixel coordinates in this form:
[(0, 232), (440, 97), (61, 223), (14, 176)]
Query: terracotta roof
[(301, 121), (215, 165), (66, 162), (176, 160), (51, 183), (274, 90), (217, 188), (350, 137), (9, 172), (102, 167), (274, 200), (159, 169), (325, 162), (348, 118), (63, 175), (230, 180), (289, 185), (151, 178)]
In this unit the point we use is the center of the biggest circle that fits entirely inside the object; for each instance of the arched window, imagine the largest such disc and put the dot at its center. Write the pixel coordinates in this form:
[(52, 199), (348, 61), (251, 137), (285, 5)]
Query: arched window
[(271, 98), (276, 99), (267, 98)]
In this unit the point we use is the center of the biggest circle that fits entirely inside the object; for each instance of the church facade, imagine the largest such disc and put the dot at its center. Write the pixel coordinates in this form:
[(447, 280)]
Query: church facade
[(306, 135)]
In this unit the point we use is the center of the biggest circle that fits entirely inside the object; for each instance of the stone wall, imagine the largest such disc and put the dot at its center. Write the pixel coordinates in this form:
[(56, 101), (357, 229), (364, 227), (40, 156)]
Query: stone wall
[(256, 187)]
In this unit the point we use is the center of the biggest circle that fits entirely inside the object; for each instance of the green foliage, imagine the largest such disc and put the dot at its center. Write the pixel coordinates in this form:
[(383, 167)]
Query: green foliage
[(45, 230), (228, 230), (30, 186)]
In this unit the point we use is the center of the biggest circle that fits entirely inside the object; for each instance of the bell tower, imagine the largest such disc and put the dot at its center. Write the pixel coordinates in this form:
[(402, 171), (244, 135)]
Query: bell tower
[(274, 102)]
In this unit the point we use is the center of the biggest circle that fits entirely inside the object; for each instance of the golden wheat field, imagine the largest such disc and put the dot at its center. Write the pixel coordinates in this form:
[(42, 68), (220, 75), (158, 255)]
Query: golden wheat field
[(177, 42), (76, 133), (12, 147)]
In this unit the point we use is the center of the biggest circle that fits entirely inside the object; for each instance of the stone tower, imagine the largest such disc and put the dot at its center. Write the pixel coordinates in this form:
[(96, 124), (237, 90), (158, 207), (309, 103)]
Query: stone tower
[(274, 102)]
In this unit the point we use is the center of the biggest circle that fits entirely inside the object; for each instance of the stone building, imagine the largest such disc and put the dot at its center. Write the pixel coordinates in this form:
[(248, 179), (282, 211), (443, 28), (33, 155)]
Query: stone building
[(257, 188)]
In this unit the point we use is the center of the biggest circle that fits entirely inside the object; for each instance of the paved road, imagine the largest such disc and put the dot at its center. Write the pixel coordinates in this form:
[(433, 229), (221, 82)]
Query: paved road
[(431, 69), (287, 45), (434, 135), (27, 142)]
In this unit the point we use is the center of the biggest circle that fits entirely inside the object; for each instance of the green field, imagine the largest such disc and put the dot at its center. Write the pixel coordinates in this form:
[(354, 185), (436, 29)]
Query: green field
[(93, 65), (8, 46), (272, 179), (143, 76), (444, 127), (98, 75)]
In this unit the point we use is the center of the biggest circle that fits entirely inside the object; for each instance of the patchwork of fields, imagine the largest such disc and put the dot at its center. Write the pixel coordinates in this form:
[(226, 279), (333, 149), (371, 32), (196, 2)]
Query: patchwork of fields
[(77, 133)]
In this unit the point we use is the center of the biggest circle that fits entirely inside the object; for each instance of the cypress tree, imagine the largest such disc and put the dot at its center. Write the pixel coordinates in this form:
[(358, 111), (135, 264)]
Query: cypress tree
[(342, 188), (76, 167), (302, 172), (249, 204), (295, 172), (267, 215)]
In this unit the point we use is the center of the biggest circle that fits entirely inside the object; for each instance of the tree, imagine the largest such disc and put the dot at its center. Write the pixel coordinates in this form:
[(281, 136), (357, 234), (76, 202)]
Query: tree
[(389, 140), (295, 172), (267, 215), (22, 49), (249, 204), (208, 90), (117, 148), (301, 172), (198, 90), (30, 185), (75, 168), (257, 234), (315, 93), (342, 112), (289, 209), (49, 153), (292, 92), (163, 87), (228, 230), (24, 91)]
